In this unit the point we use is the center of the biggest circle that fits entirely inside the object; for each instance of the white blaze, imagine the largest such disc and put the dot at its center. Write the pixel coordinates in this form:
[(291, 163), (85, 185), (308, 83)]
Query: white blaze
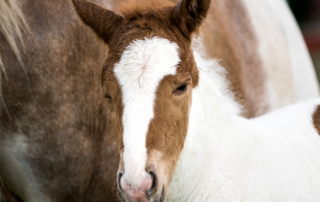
[(143, 65)]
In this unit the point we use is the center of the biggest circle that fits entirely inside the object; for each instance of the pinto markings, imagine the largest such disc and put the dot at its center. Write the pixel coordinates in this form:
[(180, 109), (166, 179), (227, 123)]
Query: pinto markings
[(143, 65)]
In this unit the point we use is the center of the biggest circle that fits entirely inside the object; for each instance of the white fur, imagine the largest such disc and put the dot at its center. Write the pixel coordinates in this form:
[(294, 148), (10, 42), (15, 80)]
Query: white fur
[(227, 158), (141, 68), (305, 81), (290, 73)]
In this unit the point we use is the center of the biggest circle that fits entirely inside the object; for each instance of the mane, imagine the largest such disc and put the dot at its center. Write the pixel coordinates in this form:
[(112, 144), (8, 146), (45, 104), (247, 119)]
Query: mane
[(138, 7), (12, 23)]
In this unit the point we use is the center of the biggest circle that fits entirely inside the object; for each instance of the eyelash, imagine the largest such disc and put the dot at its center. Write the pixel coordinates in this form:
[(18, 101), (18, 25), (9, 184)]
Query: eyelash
[(181, 89)]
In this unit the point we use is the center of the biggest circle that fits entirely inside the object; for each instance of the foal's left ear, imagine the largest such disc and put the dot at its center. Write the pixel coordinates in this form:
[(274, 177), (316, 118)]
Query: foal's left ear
[(189, 14), (101, 20)]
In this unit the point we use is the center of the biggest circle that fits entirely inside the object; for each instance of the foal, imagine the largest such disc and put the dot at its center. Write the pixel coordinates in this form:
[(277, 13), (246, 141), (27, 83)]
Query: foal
[(179, 130), (226, 157)]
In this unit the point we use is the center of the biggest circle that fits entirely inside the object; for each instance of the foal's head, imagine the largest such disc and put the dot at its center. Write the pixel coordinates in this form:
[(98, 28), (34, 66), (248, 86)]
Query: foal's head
[(148, 79)]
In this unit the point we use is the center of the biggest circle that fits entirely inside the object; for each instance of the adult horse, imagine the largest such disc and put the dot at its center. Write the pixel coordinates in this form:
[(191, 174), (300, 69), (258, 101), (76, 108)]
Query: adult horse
[(56, 138)]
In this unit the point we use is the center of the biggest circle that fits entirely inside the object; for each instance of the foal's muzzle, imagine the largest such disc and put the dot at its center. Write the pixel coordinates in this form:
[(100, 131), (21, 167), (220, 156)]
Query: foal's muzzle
[(146, 192)]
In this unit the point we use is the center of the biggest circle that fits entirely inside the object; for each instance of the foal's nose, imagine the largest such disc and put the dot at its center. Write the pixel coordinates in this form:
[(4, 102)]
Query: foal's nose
[(137, 194)]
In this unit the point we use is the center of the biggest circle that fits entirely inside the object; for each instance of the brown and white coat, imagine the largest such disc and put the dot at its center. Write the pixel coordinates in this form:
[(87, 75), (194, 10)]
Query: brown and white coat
[(56, 129)]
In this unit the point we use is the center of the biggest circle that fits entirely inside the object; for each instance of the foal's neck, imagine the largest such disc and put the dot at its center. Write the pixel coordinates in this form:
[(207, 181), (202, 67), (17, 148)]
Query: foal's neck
[(213, 124), (228, 158)]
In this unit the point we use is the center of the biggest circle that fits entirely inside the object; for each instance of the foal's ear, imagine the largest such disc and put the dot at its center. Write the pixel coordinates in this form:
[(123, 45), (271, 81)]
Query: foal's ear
[(101, 20), (189, 14)]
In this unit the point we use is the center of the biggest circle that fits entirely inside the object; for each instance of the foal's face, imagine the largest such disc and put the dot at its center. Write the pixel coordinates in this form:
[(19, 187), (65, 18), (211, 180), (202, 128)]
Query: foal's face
[(149, 95), (148, 79)]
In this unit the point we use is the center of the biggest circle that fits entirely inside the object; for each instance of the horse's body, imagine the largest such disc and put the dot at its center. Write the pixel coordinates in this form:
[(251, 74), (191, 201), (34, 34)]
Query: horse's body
[(56, 141), (57, 130), (275, 157)]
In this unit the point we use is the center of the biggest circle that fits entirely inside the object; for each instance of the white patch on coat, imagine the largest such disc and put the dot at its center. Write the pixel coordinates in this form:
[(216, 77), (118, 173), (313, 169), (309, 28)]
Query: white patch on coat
[(16, 172), (290, 73), (305, 81), (143, 65), (227, 158)]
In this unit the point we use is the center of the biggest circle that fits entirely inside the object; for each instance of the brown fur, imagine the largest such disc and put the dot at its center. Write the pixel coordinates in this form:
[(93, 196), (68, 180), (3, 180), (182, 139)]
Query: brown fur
[(130, 7), (230, 38), (189, 14), (57, 105), (168, 129), (96, 17), (316, 119)]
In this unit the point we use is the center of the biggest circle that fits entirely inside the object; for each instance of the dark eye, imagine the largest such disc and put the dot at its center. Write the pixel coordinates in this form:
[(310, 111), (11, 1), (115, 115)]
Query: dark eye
[(181, 89), (108, 96)]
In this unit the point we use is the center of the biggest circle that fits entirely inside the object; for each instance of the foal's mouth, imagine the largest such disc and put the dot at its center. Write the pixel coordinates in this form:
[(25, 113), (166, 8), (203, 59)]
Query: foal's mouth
[(160, 198)]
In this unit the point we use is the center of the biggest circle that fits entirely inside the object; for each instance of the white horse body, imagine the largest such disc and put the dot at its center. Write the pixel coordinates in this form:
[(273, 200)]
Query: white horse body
[(275, 157)]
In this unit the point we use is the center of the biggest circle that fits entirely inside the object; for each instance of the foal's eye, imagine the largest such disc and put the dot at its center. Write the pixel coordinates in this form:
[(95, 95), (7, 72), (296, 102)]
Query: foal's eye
[(181, 89), (108, 97)]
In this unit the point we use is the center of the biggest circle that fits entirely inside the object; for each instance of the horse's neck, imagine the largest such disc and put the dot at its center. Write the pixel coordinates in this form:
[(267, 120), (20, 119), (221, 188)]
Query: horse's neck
[(225, 156), (213, 124)]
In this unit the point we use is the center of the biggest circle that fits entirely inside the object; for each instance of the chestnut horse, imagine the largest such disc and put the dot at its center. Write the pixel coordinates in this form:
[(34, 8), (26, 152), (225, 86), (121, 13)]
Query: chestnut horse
[(56, 137)]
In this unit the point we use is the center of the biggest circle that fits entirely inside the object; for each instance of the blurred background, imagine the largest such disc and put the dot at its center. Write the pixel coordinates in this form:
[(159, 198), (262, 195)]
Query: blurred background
[(307, 13)]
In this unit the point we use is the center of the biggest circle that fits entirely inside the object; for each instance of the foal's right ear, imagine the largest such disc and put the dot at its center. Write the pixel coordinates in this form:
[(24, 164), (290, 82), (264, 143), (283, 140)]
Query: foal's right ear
[(101, 20)]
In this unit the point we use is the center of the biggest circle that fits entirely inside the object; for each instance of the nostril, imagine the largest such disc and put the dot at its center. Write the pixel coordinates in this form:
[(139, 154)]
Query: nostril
[(119, 182), (154, 181)]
